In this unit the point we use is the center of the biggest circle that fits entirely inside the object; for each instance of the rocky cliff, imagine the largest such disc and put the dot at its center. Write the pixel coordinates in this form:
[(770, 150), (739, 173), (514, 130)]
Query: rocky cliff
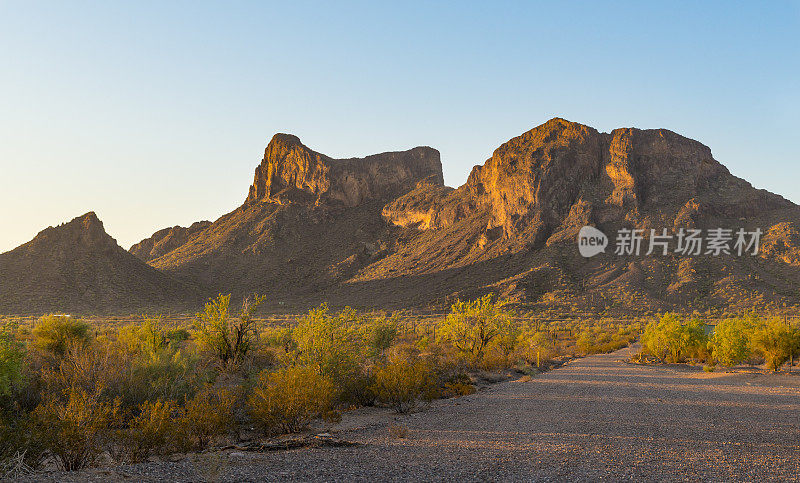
[(309, 223), (384, 230), (512, 226), (292, 172)]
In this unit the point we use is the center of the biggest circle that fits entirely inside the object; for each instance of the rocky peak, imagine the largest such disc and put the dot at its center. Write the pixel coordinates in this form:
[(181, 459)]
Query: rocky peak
[(290, 171), (84, 230), (563, 174)]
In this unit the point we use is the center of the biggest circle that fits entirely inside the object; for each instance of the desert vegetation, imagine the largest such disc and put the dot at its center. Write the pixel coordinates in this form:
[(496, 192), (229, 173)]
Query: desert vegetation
[(73, 393), (748, 339)]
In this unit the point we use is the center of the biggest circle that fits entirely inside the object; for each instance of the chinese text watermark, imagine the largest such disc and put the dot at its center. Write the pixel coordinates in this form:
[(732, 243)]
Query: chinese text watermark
[(686, 242)]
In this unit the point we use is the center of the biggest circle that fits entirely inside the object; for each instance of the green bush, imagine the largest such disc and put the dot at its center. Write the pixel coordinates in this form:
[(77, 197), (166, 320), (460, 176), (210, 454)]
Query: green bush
[(12, 354), (165, 373), (228, 339), (330, 344), (55, 333), (672, 340), (731, 342), (96, 368), (288, 399), (279, 337), (777, 342), (380, 333), (401, 383), (472, 326)]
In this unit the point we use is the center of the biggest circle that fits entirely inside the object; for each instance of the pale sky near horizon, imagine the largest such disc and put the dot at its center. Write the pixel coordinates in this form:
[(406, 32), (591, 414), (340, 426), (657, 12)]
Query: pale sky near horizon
[(154, 114)]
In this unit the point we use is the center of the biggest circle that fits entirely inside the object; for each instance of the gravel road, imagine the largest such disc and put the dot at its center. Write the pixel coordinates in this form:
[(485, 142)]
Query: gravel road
[(596, 418)]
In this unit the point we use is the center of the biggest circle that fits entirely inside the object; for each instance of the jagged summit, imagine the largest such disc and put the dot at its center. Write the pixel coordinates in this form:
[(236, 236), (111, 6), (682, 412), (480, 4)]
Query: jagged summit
[(84, 229), (290, 171)]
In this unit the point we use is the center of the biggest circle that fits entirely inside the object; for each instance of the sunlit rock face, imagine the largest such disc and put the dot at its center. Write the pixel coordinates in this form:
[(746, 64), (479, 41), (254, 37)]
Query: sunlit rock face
[(291, 171)]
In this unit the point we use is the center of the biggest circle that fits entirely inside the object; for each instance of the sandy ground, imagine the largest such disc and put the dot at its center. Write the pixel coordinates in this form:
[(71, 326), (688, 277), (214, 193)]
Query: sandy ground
[(595, 418)]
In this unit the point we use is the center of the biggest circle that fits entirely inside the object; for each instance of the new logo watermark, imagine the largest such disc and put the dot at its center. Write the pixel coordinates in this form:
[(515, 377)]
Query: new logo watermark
[(687, 242), (591, 241)]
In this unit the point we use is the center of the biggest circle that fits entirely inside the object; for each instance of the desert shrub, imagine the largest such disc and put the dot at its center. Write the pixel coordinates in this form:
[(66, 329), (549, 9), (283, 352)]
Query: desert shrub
[(227, 338), (96, 368), (777, 342), (660, 338), (471, 326), (458, 385), (380, 333), (147, 337), (12, 356), (536, 346), (288, 399), (22, 447), (164, 372), (508, 338), (731, 341), (158, 366), (177, 335), (155, 430), (401, 383), (208, 414), (77, 427), (693, 340), (279, 337), (54, 334), (671, 340), (603, 337), (331, 344)]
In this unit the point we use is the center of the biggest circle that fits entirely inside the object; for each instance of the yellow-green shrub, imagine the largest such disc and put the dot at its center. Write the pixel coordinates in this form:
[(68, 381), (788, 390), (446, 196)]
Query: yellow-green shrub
[(288, 399), (672, 340), (228, 339), (777, 342), (401, 383), (731, 343), (55, 334), (472, 326), (330, 343), (12, 354), (157, 429), (78, 427), (208, 414)]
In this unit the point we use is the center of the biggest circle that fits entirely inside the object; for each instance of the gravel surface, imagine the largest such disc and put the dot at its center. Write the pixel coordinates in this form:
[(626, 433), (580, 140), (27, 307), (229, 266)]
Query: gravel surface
[(595, 418)]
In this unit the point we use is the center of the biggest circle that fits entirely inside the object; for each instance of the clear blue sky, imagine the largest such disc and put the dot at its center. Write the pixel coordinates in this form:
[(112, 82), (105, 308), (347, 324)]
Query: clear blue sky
[(154, 114)]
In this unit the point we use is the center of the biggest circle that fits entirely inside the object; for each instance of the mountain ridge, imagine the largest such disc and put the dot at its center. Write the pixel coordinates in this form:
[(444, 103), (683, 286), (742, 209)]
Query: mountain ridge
[(384, 231)]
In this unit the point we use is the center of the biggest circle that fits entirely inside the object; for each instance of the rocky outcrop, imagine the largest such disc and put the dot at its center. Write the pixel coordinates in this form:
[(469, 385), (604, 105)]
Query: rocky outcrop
[(562, 174), (383, 231), (290, 171), (166, 240), (77, 267)]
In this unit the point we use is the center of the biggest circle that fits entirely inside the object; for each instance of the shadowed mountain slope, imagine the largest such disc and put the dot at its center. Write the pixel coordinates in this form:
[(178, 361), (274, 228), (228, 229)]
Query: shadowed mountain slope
[(77, 267)]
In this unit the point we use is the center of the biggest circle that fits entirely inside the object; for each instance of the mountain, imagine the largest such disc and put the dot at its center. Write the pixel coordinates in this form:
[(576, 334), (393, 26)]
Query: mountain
[(77, 267), (384, 231), (309, 222), (166, 240)]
